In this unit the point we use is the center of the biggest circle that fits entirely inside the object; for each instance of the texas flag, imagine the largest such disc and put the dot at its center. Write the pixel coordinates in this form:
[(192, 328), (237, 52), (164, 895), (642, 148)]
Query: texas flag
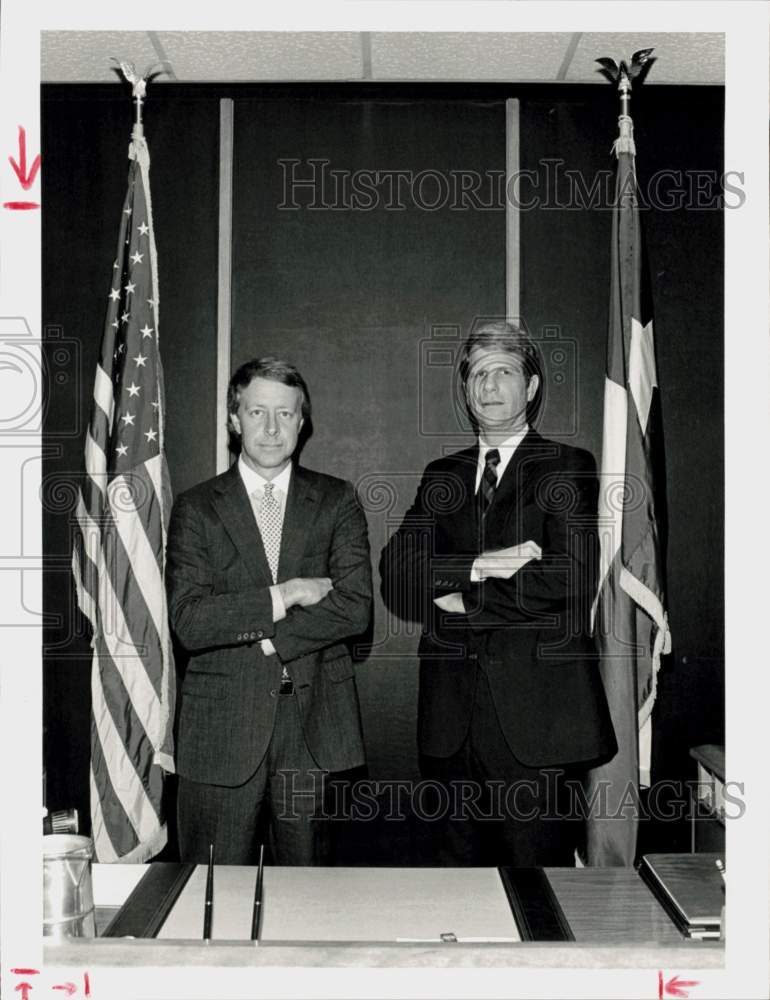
[(629, 614)]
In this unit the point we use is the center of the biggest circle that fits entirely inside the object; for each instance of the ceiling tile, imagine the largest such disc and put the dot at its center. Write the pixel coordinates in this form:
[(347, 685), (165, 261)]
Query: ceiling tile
[(680, 57), (84, 56), (263, 55), (467, 55)]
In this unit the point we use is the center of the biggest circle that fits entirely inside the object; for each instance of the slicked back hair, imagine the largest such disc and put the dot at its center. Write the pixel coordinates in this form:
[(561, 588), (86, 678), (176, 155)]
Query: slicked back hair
[(500, 335)]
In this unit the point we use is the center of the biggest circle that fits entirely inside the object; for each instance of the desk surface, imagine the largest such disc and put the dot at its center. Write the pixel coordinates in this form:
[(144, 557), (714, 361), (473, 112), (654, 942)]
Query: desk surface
[(347, 904), (712, 757), (611, 906), (615, 920)]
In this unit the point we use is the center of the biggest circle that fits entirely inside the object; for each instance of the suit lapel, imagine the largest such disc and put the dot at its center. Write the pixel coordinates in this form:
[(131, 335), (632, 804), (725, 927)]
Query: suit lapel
[(232, 504), (463, 524), (517, 482), (302, 505)]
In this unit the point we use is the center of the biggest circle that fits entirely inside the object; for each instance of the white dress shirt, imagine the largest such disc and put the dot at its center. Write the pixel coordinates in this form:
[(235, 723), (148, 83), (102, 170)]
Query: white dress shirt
[(506, 449), (255, 487)]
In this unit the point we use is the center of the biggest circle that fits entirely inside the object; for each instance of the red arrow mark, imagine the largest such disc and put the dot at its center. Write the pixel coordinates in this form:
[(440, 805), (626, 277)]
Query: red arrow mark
[(675, 987), (25, 179), (69, 987)]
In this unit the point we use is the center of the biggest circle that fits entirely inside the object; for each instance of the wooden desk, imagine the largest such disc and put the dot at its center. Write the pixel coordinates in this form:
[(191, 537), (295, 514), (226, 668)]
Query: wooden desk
[(708, 814), (611, 906), (616, 921)]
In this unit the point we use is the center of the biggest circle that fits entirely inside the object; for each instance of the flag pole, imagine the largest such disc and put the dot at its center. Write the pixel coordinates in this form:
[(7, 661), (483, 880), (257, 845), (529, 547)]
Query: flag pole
[(138, 150), (624, 89), (119, 554), (628, 616)]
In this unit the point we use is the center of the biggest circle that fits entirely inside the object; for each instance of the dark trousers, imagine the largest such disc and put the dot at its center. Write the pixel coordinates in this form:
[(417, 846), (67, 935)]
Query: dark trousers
[(285, 794), (497, 810)]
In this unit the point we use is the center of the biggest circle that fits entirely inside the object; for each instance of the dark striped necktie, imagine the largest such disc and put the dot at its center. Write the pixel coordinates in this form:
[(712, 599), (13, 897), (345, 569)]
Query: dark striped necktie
[(488, 483)]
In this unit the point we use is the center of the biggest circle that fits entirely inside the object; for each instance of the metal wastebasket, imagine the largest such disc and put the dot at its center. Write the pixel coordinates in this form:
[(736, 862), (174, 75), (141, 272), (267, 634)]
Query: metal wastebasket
[(68, 897)]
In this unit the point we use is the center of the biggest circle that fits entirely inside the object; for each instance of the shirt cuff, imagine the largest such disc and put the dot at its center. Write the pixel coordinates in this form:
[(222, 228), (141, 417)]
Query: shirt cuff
[(267, 647), (476, 576), (279, 608)]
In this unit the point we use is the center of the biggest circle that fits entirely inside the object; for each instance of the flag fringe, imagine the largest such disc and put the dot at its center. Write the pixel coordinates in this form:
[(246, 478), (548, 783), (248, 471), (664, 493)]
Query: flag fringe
[(165, 761), (147, 849), (651, 604)]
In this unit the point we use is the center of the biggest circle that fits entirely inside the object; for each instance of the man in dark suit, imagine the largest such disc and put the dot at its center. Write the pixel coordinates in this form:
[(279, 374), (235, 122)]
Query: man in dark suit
[(268, 577), (496, 559)]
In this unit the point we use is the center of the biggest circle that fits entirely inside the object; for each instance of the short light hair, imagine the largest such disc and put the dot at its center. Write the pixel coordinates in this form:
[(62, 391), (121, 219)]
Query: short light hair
[(509, 339), (269, 368)]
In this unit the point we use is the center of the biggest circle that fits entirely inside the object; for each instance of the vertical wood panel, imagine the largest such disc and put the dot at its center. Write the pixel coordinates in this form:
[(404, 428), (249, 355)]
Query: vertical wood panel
[(224, 276), (512, 211)]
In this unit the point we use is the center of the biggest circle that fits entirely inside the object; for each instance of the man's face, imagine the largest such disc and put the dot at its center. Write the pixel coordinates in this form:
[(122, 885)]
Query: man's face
[(498, 391), (268, 420)]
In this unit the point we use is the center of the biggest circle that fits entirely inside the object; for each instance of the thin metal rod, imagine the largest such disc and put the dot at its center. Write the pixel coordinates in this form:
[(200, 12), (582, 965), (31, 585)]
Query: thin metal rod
[(624, 89)]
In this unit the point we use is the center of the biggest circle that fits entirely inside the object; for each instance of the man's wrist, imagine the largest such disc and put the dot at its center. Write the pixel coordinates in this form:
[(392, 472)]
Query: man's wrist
[(287, 591), (279, 605), (452, 603)]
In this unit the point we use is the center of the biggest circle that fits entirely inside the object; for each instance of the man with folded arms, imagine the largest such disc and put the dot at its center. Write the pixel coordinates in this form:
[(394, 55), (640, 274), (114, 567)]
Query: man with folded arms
[(269, 578), (496, 559)]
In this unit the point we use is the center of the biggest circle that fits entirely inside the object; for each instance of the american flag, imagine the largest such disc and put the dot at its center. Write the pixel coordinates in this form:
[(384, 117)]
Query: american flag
[(119, 551), (629, 612)]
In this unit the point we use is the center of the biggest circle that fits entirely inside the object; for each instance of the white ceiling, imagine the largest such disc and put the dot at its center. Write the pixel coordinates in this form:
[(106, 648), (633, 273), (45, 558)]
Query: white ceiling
[(531, 57)]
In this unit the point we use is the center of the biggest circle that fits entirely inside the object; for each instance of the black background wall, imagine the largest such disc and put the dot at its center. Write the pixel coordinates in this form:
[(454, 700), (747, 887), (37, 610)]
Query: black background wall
[(371, 303)]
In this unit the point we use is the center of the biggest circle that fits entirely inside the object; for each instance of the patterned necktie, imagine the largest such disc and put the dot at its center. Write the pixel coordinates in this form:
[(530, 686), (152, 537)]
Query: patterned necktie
[(488, 483), (270, 525)]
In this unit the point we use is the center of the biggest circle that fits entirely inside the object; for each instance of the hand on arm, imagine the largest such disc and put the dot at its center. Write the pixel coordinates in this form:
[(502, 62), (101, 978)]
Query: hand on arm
[(327, 610), (501, 564), (453, 603), (562, 576), (498, 564), (304, 591)]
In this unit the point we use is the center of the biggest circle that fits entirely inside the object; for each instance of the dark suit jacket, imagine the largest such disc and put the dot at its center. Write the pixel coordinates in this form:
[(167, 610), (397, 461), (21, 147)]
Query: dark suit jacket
[(530, 633), (218, 584)]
